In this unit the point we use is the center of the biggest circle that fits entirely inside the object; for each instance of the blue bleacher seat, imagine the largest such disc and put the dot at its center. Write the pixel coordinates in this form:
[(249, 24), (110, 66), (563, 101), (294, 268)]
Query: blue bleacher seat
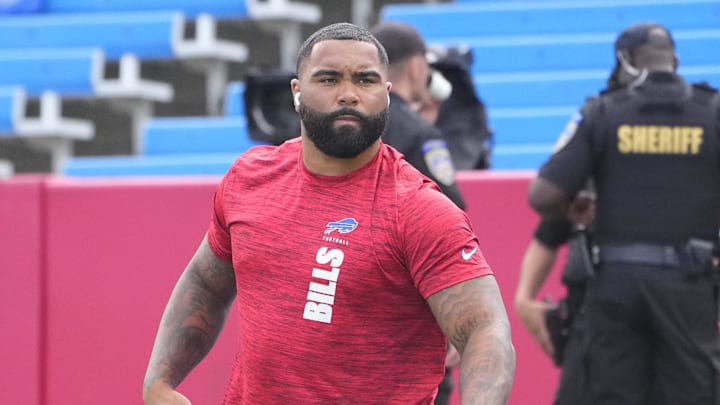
[(520, 157), (14, 7), (181, 135), (162, 165), (175, 146), (193, 8), (570, 87), (529, 125), (578, 51), (235, 99), (67, 71), (147, 35), (10, 97), (517, 18), (535, 62)]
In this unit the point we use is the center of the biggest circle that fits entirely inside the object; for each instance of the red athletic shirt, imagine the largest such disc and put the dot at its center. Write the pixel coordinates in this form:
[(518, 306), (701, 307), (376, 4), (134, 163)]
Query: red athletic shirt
[(332, 277)]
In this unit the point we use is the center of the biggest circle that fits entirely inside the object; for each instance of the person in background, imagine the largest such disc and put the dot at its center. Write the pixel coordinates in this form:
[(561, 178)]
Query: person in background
[(651, 146), (348, 265), (422, 144), (560, 340)]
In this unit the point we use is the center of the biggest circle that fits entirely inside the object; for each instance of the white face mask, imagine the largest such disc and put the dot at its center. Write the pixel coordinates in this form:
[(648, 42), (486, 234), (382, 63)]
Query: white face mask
[(638, 75)]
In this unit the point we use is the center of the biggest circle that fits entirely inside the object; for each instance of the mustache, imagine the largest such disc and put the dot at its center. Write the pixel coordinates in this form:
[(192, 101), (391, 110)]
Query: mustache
[(347, 111)]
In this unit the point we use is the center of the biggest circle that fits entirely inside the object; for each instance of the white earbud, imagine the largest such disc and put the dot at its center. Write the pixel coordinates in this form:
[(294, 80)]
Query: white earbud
[(440, 88), (296, 99), (388, 100)]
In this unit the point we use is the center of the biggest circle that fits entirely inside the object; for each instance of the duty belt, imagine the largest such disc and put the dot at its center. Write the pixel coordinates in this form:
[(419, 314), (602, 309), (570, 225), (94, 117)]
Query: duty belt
[(641, 253)]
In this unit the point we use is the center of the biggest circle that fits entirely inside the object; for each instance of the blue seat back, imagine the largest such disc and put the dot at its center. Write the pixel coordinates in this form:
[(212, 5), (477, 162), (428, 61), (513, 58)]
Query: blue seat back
[(580, 51), (161, 165), (166, 136), (217, 8), (148, 35), (235, 99), (562, 88), (550, 17), (9, 97), (22, 6), (69, 72)]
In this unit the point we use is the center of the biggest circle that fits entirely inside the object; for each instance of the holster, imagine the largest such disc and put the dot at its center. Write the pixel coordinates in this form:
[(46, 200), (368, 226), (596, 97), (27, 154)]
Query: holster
[(558, 321), (580, 265)]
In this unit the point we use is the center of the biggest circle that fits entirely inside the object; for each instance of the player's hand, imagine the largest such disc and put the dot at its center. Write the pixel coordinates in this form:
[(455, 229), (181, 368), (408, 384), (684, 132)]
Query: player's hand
[(532, 315), (161, 394)]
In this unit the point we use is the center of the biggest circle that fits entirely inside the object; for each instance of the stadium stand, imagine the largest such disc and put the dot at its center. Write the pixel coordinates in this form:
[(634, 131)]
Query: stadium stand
[(282, 17), (80, 72), (203, 145), (47, 38), (536, 61), (149, 35), (49, 131)]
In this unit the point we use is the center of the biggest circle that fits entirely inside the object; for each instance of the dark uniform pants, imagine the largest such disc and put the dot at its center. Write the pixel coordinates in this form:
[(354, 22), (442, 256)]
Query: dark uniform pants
[(572, 376), (651, 337)]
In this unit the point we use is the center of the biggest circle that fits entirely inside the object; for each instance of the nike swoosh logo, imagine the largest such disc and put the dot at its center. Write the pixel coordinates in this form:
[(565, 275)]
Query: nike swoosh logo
[(468, 255)]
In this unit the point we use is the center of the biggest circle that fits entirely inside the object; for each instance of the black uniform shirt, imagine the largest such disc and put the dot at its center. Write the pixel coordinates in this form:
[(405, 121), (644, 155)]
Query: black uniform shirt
[(423, 146), (654, 154)]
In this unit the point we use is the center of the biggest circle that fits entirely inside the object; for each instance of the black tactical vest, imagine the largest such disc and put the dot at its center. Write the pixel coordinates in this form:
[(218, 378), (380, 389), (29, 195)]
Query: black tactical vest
[(658, 177)]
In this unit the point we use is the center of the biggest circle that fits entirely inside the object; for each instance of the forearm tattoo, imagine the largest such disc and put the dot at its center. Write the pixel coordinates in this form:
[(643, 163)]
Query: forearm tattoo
[(193, 319), (473, 317)]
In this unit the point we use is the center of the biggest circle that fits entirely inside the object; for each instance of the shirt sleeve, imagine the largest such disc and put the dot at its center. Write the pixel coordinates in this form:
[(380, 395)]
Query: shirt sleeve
[(571, 163), (439, 245), (553, 232), (218, 232)]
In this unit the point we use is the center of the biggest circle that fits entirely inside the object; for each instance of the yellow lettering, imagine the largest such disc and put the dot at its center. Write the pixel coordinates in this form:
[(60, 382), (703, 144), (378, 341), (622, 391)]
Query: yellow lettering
[(677, 146), (679, 140), (624, 133), (652, 139), (665, 140), (639, 139), (686, 133), (696, 136)]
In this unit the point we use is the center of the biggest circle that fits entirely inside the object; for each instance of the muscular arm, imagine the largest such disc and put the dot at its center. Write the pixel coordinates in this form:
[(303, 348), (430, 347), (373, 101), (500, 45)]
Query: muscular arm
[(192, 321), (549, 200), (473, 317)]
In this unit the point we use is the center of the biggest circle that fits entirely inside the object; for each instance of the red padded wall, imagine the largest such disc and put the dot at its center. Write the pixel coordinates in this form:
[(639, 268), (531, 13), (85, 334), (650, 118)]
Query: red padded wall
[(115, 250), (107, 253), (20, 287)]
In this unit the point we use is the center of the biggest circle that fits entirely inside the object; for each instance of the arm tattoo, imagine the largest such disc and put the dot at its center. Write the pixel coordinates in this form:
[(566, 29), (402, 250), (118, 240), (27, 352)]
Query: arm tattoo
[(473, 316), (193, 318)]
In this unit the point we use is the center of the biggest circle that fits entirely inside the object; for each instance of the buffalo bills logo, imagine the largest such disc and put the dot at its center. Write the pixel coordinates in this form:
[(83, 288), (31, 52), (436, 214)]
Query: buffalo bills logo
[(346, 225)]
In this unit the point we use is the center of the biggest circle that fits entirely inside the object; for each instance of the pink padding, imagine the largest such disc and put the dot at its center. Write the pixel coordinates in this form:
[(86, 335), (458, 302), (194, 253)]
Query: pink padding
[(20, 290), (114, 249), (497, 203)]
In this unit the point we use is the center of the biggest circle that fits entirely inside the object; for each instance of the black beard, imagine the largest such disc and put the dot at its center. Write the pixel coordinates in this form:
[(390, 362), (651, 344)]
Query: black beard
[(345, 141)]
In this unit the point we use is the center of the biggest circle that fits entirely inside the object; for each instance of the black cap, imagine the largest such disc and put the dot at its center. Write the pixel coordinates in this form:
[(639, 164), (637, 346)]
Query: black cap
[(640, 34), (400, 40)]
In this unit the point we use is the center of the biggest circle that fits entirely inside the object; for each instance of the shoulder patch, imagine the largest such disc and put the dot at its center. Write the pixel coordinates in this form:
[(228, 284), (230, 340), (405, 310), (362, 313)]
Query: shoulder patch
[(567, 134), (437, 159)]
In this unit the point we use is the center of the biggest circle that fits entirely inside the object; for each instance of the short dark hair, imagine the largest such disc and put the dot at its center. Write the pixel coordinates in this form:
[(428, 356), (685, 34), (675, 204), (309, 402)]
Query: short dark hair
[(645, 33), (340, 31), (401, 40)]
